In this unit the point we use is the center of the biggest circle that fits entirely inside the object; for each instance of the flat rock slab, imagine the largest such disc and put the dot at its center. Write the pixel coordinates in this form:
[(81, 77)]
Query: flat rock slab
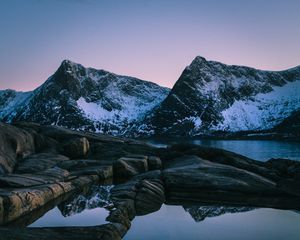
[(192, 179), (17, 181), (39, 162), (192, 172), (20, 201), (103, 172)]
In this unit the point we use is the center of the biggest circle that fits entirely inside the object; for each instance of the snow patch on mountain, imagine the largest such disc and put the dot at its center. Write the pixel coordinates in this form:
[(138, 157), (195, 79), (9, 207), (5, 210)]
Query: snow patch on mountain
[(10, 100), (262, 111), (131, 107)]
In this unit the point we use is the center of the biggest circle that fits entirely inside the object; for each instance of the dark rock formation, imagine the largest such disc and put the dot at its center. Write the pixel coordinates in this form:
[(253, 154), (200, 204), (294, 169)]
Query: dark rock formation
[(103, 232), (76, 148), (127, 167), (14, 143), (35, 172)]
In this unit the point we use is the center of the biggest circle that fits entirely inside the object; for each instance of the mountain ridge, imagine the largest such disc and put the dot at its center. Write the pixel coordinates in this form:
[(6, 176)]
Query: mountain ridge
[(209, 97), (205, 89)]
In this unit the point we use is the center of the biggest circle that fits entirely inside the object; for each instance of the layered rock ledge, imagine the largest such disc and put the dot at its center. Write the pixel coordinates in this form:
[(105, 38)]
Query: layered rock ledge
[(39, 165)]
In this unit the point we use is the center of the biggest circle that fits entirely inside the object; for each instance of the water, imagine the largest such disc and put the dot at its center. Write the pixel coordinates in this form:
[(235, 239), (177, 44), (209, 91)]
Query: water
[(87, 209), (88, 217), (256, 149), (196, 222), (173, 222)]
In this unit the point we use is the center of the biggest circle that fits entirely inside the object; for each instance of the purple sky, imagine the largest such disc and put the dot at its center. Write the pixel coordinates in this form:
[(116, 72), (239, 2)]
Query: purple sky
[(152, 40)]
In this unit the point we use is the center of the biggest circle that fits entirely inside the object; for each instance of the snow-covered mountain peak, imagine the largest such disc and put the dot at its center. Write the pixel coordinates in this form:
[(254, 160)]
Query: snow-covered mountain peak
[(85, 98), (211, 96)]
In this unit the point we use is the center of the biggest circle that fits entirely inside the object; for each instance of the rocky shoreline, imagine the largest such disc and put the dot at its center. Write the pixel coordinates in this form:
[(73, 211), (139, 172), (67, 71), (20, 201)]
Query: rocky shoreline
[(40, 165)]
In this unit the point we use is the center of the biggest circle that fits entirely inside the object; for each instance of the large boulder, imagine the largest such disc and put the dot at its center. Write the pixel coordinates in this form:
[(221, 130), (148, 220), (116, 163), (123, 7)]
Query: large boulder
[(222, 156), (150, 195), (192, 178), (15, 143), (76, 148), (145, 196)]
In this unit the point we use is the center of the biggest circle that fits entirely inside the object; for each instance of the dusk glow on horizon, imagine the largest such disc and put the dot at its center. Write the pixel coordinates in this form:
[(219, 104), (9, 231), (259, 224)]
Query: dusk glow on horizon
[(151, 40)]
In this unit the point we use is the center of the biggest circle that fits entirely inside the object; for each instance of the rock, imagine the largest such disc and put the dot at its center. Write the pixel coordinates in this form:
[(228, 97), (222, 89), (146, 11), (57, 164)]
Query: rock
[(128, 205), (17, 181), (227, 158), (103, 172), (15, 143), (103, 232), (79, 164), (127, 167), (154, 163), (193, 178), (122, 229), (19, 202), (119, 215), (54, 173), (88, 167), (289, 186), (76, 148), (150, 196), (123, 192), (39, 162), (286, 168), (155, 174)]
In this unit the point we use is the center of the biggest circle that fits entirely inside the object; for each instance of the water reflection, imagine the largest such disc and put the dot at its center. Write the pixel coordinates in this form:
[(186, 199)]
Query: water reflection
[(199, 213), (96, 197), (87, 209), (174, 222)]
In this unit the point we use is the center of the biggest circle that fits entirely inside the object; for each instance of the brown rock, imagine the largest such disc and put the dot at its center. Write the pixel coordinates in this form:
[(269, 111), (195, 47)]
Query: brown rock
[(76, 148), (15, 143)]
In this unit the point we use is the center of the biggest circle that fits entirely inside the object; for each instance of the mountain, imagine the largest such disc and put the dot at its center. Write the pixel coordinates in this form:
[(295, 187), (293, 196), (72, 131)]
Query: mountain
[(84, 98), (211, 97)]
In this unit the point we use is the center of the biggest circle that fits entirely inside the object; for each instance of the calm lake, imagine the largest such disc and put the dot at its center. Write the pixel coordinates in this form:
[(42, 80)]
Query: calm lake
[(256, 149), (192, 222)]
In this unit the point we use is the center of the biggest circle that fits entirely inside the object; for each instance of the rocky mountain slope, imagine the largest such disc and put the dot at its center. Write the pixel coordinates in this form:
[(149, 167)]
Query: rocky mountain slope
[(211, 96), (84, 98)]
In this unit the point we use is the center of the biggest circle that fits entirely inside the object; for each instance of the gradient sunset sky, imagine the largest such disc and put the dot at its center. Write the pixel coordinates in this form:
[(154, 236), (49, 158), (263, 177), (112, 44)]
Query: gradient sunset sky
[(150, 39)]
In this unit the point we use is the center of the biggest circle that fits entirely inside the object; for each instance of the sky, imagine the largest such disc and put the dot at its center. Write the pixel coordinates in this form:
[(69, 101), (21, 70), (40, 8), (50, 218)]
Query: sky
[(151, 40)]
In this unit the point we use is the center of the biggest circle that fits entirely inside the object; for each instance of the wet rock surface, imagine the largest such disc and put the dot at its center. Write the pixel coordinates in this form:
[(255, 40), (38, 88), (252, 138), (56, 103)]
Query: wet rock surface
[(42, 164)]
